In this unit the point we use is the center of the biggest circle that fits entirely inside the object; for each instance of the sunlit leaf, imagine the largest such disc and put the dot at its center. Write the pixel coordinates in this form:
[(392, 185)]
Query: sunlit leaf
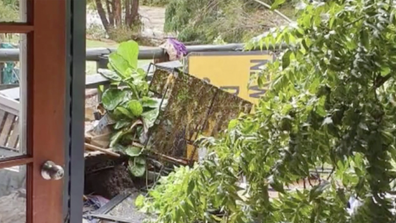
[(111, 98), (277, 3), (133, 151), (150, 117), (111, 75), (135, 107), (137, 170), (129, 51)]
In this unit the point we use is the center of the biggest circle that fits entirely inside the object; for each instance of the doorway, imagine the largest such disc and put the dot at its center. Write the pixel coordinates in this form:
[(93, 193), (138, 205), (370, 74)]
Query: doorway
[(36, 128)]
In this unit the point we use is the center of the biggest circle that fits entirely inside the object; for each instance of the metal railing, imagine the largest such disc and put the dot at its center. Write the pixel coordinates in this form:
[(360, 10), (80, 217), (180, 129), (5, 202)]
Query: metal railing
[(100, 55), (146, 53)]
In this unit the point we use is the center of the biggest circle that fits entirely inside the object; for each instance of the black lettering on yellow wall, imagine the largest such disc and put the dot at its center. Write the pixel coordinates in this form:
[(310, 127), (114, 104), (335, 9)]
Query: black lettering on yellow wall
[(256, 66), (258, 92)]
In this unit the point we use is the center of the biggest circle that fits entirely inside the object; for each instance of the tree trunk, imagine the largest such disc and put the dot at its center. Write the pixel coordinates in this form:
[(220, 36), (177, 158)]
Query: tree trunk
[(110, 12), (128, 18), (113, 11), (118, 13), (102, 15), (135, 11)]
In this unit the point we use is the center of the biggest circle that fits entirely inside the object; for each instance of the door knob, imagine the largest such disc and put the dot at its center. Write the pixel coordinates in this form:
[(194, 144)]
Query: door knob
[(51, 171)]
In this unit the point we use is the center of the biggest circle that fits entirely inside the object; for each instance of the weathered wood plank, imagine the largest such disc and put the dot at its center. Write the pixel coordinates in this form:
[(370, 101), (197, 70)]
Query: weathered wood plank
[(2, 115), (13, 138), (5, 132)]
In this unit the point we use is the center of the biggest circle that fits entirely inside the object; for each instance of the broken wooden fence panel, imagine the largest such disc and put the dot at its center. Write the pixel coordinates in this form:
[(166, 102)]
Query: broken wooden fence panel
[(193, 108)]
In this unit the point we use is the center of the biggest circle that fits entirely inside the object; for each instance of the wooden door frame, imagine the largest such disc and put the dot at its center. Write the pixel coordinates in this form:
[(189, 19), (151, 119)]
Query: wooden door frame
[(55, 99)]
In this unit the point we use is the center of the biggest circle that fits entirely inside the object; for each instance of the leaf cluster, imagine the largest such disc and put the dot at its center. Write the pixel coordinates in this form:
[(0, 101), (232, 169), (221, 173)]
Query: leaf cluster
[(129, 104), (330, 105)]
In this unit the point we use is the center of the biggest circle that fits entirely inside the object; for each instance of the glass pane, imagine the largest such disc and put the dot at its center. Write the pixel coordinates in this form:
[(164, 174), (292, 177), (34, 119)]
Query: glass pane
[(12, 10), (13, 195), (12, 70)]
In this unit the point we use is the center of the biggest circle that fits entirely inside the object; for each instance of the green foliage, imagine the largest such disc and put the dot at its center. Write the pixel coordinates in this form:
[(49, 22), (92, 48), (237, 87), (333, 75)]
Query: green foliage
[(123, 34), (9, 11), (206, 20), (128, 103), (331, 103)]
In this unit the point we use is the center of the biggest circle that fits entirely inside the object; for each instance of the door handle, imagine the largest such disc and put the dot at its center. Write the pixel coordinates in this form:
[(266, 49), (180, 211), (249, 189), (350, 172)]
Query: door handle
[(51, 171)]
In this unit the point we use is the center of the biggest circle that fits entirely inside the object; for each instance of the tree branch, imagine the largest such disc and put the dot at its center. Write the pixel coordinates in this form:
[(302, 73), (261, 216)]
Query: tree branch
[(353, 22), (276, 11), (331, 173), (381, 80)]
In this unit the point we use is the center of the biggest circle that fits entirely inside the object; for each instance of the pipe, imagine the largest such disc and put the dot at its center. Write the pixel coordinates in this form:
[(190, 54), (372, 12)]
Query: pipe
[(146, 53)]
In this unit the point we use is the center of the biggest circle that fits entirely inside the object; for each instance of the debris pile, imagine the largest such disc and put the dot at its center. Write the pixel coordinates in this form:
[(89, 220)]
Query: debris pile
[(188, 109)]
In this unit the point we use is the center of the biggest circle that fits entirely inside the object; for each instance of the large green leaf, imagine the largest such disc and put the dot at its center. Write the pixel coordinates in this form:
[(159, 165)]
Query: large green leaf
[(133, 151), (139, 161), (129, 51), (120, 65), (122, 123), (116, 137), (118, 148), (112, 97), (286, 59), (150, 102), (141, 73), (149, 117), (135, 108), (136, 169), (125, 112), (109, 74)]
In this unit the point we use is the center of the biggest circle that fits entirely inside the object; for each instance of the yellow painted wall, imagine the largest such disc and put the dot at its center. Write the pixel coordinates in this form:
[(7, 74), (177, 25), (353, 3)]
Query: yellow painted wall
[(230, 71)]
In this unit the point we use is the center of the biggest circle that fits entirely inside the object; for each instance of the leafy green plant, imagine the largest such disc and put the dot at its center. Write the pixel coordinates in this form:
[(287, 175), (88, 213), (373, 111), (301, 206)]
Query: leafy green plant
[(331, 104), (129, 104)]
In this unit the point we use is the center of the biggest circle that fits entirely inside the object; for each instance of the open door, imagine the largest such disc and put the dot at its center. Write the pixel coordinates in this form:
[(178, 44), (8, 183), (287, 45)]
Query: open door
[(32, 129)]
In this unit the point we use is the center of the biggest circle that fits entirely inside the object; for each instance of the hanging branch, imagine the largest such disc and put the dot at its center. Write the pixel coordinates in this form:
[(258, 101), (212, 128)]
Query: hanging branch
[(276, 11)]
